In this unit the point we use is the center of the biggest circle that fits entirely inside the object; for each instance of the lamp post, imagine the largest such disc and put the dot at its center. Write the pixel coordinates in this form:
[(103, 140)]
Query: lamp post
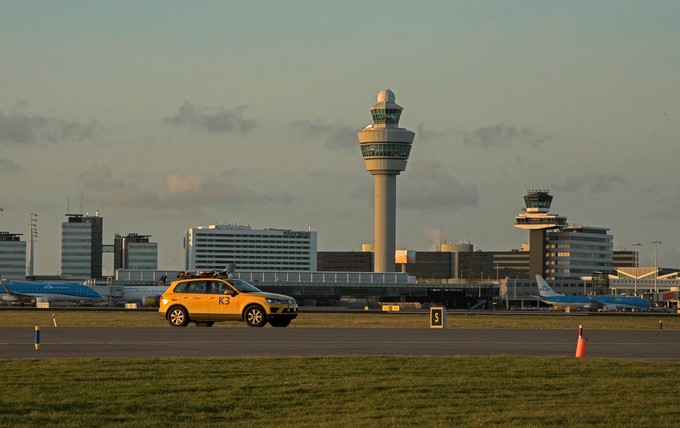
[(656, 269), (481, 279), (33, 227), (637, 259)]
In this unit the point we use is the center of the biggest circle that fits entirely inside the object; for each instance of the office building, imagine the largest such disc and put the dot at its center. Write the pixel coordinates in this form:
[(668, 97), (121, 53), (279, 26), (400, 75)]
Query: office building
[(134, 252), (344, 261), (574, 252), (12, 256), (81, 247), (217, 246)]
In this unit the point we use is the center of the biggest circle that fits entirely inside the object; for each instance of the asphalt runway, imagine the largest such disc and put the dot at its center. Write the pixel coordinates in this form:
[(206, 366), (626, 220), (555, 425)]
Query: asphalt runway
[(117, 342)]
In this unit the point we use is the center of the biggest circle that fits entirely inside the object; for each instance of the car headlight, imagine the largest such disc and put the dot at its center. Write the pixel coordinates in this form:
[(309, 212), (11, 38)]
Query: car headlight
[(281, 301)]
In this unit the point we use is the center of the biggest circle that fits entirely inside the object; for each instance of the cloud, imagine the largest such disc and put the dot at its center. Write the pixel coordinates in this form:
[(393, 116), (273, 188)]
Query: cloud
[(214, 191), (424, 134), (183, 183), (19, 128), (215, 120), (667, 202), (8, 166), (504, 135), (182, 192), (429, 186), (113, 192), (335, 135), (591, 182)]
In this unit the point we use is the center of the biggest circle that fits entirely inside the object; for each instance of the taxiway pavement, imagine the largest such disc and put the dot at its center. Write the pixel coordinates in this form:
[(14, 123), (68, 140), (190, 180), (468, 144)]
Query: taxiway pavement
[(162, 342)]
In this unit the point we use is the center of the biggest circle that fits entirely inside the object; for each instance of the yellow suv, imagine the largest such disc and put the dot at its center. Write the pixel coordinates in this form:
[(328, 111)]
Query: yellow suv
[(209, 299)]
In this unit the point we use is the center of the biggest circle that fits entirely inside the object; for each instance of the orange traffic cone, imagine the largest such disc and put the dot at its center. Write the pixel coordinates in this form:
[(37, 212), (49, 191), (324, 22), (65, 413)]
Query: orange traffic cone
[(581, 344)]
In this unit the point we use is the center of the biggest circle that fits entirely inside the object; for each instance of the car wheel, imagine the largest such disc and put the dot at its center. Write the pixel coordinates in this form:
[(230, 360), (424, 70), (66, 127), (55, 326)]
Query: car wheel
[(280, 322), (178, 317), (255, 316)]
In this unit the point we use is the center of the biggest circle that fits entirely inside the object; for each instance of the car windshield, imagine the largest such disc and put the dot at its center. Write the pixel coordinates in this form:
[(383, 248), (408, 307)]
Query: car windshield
[(243, 286)]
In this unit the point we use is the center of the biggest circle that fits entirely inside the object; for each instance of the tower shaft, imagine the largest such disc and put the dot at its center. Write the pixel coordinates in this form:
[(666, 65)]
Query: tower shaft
[(385, 224), (537, 252)]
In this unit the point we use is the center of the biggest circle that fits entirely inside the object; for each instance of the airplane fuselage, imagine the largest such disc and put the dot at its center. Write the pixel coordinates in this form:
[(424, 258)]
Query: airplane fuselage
[(47, 292)]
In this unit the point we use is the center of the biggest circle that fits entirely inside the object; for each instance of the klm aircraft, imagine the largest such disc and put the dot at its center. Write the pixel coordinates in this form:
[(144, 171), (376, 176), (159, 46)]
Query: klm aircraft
[(560, 301), (30, 293), (608, 303)]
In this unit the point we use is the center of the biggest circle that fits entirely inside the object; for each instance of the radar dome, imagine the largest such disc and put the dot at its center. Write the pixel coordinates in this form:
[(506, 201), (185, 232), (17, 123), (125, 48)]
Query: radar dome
[(386, 96)]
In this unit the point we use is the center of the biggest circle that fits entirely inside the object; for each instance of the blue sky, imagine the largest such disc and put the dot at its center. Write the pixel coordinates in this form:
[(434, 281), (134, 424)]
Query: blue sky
[(164, 115)]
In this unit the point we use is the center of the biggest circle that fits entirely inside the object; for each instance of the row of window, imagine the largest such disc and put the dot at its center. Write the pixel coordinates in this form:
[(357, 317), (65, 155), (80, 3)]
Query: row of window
[(207, 236), (263, 260), (237, 246), (604, 246), (390, 115), (561, 236), (401, 150), (208, 253), (539, 220), (580, 255), (574, 263)]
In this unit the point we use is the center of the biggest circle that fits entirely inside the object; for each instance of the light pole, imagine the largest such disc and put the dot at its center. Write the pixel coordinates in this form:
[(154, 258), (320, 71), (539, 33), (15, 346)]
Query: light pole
[(33, 226), (656, 269), (637, 259), (481, 279)]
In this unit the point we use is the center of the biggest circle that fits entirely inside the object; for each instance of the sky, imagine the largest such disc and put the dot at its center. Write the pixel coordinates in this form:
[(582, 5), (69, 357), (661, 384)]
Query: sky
[(167, 115)]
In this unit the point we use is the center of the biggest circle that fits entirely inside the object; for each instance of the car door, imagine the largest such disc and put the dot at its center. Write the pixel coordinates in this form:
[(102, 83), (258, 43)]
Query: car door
[(222, 303), (196, 298)]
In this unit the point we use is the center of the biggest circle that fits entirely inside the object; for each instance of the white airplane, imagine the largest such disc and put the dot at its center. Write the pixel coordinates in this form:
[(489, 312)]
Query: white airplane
[(31, 293), (147, 295)]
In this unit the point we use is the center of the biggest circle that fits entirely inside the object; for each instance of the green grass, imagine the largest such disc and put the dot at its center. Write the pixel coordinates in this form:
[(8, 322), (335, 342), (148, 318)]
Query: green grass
[(339, 391), (138, 318)]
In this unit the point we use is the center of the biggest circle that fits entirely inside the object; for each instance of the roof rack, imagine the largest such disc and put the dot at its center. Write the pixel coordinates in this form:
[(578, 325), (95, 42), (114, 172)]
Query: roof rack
[(203, 274)]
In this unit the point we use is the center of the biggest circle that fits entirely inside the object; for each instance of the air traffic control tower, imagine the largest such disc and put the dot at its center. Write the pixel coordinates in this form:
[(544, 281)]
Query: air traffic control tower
[(537, 219), (385, 148)]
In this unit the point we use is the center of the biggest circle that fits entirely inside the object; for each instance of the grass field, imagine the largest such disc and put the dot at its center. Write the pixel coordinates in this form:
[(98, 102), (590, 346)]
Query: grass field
[(340, 391)]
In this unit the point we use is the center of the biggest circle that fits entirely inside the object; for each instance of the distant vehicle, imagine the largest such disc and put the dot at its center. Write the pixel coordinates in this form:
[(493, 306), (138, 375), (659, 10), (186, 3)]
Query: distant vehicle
[(207, 297), (607, 303), (30, 293)]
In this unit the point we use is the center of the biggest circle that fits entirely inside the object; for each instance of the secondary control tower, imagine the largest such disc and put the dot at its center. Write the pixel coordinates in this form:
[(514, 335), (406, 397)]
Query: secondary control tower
[(537, 219), (385, 148)]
